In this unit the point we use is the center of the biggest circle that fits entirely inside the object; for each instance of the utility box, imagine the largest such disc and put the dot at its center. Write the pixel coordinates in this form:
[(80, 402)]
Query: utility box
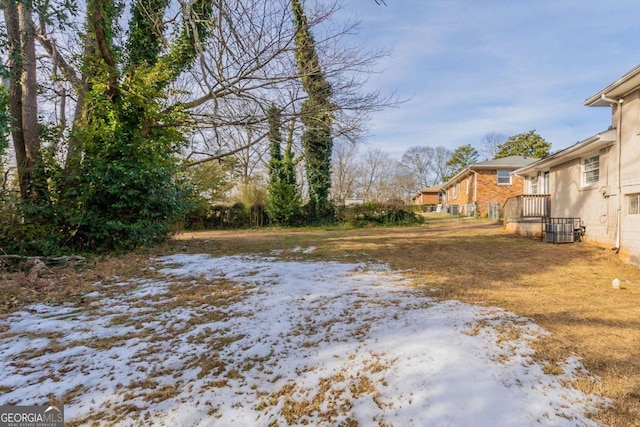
[(563, 230)]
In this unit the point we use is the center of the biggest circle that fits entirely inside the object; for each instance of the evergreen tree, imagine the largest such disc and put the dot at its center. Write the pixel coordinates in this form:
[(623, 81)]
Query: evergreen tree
[(461, 158), (317, 117), (284, 202), (528, 144), (118, 188), (127, 176)]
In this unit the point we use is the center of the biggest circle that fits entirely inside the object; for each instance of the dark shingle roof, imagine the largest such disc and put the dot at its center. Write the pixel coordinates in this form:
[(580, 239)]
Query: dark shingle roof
[(505, 163), (509, 161)]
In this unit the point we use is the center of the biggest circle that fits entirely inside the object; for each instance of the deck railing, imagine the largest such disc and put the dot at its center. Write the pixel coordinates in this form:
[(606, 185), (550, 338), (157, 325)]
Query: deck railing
[(527, 206)]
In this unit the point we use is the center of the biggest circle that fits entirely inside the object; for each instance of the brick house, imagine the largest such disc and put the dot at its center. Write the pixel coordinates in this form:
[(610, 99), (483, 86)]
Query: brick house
[(428, 196), (484, 187)]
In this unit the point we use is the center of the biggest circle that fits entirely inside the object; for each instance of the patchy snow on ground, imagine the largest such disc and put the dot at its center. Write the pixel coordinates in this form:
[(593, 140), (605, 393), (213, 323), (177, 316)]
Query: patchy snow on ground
[(293, 343)]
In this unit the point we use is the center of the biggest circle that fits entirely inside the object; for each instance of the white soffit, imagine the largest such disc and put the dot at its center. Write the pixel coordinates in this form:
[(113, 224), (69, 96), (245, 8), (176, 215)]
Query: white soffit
[(618, 89), (577, 150)]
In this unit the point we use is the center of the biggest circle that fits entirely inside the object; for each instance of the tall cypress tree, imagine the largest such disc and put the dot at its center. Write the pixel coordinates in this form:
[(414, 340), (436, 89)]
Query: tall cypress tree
[(317, 117), (284, 199)]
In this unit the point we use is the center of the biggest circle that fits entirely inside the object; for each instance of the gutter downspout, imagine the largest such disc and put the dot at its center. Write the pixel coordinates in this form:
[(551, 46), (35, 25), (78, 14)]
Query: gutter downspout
[(617, 102), (475, 191)]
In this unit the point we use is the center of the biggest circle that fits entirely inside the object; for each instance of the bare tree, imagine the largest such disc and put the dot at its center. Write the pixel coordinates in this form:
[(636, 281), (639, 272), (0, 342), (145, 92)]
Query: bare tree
[(343, 171), (375, 175), (426, 165), (236, 79), (403, 184), (441, 166), (489, 145), (419, 163)]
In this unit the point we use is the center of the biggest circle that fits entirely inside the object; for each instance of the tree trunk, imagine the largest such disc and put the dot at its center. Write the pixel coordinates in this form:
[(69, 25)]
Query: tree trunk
[(23, 100), (33, 166), (15, 92), (317, 116), (74, 148)]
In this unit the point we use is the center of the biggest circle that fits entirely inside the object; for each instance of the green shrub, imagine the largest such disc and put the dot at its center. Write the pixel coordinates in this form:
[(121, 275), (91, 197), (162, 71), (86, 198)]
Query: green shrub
[(203, 216), (373, 214)]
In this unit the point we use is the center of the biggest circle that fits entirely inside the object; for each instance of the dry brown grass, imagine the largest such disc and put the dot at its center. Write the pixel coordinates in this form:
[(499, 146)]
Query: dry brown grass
[(56, 286), (330, 400), (566, 289)]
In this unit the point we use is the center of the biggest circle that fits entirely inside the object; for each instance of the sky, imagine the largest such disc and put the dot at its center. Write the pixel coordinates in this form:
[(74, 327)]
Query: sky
[(470, 67), (304, 343)]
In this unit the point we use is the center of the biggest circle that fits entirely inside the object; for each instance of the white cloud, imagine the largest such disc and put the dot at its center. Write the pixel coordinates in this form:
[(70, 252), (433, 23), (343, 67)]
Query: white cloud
[(474, 67)]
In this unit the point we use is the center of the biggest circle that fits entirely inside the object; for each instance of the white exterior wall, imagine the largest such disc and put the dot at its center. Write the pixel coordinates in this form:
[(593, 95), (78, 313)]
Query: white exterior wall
[(630, 175), (603, 206), (597, 204), (571, 199)]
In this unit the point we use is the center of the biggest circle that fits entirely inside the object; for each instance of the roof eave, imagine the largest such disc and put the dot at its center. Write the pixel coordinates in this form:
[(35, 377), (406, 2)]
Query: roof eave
[(592, 143), (618, 89), (455, 178), (477, 167), (496, 167)]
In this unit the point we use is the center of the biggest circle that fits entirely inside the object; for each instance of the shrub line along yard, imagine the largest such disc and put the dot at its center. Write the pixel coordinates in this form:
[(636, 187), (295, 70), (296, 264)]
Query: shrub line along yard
[(565, 289)]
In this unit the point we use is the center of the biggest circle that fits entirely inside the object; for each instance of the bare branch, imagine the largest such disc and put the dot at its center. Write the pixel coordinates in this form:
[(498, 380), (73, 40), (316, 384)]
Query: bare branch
[(228, 153), (51, 48)]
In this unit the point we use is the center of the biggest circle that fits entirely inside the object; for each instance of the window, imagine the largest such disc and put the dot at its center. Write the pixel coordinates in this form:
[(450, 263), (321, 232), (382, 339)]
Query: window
[(545, 182), (455, 191), (633, 203), (591, 170), (533, 185), (504, 178)]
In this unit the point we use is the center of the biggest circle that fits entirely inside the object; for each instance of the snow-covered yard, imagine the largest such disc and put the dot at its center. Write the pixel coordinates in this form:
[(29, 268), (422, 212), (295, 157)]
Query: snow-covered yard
[(265, 341)]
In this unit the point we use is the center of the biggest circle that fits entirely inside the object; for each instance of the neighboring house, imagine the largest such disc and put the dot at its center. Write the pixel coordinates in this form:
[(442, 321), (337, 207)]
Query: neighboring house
[(598, 179), (484, 187), (428, 196)]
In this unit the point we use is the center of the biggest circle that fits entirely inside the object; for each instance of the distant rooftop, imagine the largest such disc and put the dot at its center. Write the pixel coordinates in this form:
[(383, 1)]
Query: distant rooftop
[(432, 189), (506, 163), (509, 161)]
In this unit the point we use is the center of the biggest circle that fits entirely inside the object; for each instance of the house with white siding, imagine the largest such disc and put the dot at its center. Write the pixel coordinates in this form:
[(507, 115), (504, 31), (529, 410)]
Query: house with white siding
[(596, 180)]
